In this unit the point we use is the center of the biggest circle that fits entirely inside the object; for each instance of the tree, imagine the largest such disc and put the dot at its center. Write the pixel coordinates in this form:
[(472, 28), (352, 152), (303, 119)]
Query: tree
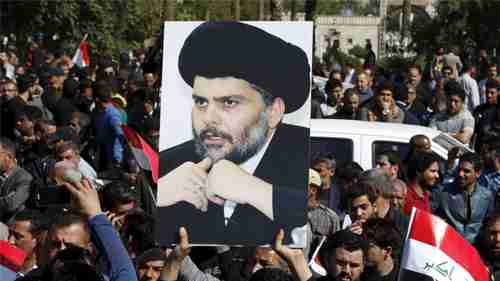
[(276, 9)]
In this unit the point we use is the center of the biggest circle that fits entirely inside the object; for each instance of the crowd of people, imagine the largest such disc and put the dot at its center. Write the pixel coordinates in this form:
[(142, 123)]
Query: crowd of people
[(58, 118)]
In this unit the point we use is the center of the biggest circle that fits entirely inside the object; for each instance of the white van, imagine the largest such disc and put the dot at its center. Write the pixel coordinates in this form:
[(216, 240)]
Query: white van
[(361, 141)]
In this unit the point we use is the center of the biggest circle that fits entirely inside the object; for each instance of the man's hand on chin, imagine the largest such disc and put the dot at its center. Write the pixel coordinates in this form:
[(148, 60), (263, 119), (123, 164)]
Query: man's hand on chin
[(227, 181), (185, 183)]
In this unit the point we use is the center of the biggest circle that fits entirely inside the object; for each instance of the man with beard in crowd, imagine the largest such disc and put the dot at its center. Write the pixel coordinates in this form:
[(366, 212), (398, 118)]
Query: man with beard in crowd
[(233, 171), (488, 244), (423, 174)]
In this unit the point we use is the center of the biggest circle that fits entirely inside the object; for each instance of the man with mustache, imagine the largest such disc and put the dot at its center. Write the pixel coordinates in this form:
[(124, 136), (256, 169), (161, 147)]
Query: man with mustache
[(244, 173)]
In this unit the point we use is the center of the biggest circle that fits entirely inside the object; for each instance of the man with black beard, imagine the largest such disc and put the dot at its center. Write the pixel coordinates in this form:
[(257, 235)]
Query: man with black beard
[(243, 176)]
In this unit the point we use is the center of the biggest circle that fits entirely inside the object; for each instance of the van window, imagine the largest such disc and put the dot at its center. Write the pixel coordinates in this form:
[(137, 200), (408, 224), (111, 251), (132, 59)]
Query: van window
[(381, 146), (342, 149)]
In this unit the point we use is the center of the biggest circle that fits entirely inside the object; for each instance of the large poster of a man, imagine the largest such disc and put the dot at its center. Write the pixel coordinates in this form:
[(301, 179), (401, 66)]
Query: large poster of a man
[(234, 148)]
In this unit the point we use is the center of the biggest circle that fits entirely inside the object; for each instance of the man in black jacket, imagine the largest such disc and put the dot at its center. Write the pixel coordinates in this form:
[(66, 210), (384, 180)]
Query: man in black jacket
[(245, 172)]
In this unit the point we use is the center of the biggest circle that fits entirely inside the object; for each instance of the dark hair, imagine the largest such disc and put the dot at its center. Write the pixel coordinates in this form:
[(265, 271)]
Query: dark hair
[(332, 84), (350, 170), (472, 158), (421, 162), (415, 66), (324, 159), (271, 274), (491, 83), (37, 223), (266, 96), (362, 188), (384, 233), (67, 145), (29, 112), (138, 231), (392, 157), (67, 219), (116, 192), (103, 91), (342, 239), (349, 93), (85, 84), (8, 145), (386, 85), (453, 88)]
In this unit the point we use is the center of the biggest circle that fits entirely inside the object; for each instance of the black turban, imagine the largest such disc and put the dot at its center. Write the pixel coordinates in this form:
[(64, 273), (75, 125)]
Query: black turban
[(235, 49)]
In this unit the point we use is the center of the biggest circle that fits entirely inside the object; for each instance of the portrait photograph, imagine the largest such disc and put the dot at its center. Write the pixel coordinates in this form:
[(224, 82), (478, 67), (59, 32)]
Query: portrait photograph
[(234, 135)]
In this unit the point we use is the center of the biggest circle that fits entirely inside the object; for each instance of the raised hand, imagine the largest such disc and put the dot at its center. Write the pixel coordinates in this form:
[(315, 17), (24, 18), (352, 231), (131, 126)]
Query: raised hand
[(294, 257), (85, 197)]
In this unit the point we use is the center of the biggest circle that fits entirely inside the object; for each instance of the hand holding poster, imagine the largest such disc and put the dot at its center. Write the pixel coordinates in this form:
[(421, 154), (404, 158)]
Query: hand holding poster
[(233, 164), (434, 249)]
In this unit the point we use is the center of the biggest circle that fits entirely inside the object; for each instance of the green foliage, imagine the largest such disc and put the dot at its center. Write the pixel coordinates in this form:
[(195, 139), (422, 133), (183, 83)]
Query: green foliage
[(358, 52), (472, 23)]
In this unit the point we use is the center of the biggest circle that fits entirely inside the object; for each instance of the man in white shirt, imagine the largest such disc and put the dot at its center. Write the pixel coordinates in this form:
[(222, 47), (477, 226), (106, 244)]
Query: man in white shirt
[(470, 87)]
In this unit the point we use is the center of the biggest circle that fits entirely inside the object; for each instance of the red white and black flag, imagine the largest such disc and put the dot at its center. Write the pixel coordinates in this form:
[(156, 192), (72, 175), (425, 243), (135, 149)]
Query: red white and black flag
[(434, 250), (146, 157), (81, 57)]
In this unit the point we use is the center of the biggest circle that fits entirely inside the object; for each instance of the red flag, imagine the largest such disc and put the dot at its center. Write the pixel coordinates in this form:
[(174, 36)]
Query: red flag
[(11, 257), (435, 249), (145, 156), (81, 57)]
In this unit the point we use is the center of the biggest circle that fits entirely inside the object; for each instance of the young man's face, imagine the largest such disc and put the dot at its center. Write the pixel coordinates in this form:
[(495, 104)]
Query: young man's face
[(64, 237), (493, 238), (325, 172), (466, 175), (362, 83), (345, 265), (20, 236), (430, 176), (384, 96), (150, 271), (454, 104), (414, 76), (375, 255), (492, 72), (351, 104), (361, 209), (230, 120), (492, 95)]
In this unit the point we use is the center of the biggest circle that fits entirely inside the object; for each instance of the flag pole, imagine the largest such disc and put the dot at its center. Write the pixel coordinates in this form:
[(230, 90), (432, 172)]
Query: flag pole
[(405, 242)]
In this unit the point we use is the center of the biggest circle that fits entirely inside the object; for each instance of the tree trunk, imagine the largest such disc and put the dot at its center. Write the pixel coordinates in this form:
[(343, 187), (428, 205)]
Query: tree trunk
[(405, 26), (293, 10), (237, 10), (276, 10), (261, 10), (171, 5), (310, 9)]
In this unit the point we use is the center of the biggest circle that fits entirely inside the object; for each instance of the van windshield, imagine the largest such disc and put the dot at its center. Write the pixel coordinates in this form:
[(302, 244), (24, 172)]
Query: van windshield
[(449, 142)]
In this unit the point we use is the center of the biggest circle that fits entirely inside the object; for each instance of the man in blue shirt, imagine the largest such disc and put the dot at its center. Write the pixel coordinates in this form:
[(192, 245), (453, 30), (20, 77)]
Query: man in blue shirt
[(109, 133), (490, 175)]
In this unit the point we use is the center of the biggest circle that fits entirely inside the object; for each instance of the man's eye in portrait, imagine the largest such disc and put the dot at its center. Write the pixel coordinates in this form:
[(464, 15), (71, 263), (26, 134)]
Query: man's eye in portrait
[(230, 103), (200, 102)]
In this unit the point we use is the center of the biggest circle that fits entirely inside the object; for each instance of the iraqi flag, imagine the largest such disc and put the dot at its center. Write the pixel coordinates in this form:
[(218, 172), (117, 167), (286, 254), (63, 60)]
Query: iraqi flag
[(434, 250), (81, 57), (145, 156), (11, 260)]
